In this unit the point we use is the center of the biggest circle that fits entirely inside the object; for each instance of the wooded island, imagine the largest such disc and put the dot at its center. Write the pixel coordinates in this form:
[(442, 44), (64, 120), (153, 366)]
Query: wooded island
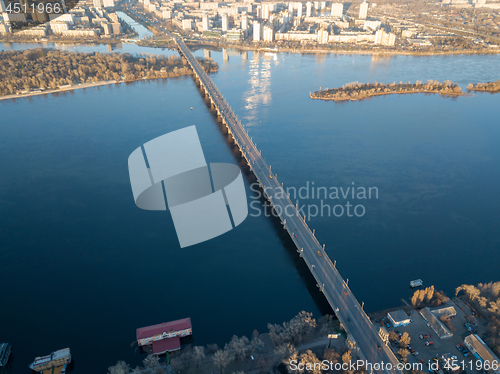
[(42, 69), (359, 91)]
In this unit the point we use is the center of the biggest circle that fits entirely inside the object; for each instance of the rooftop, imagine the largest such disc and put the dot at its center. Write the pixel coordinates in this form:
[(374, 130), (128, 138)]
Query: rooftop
[(148, 331)]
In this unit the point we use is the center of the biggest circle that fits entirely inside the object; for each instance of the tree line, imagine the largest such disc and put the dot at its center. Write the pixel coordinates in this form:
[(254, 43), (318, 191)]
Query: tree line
[(358, 91), (488, 86), (41, 69), (428, 297), (485, 299), (238, 353)]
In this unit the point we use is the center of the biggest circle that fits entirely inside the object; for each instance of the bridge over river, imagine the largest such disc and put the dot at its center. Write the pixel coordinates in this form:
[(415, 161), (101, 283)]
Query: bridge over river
[(361, 332)]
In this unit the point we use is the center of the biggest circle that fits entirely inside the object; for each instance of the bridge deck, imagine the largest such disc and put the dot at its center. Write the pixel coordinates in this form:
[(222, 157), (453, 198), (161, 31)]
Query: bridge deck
[(331, 283)]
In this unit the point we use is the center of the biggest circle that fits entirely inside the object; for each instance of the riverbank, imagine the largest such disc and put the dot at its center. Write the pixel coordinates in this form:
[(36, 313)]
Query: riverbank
[(277, 49), (359, 91), (64, 89), (36, 71)]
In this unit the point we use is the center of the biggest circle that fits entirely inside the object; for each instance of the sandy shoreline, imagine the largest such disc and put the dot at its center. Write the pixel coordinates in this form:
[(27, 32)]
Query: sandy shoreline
[(72, 88)]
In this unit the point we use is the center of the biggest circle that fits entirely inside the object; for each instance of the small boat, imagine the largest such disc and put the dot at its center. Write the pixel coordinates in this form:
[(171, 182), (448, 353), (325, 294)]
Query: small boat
[(55, 359), (5, 350), (416, 283), (191, 108)]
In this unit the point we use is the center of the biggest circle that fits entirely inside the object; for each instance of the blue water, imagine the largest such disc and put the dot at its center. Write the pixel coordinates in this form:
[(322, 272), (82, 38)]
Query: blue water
[(82, 266)]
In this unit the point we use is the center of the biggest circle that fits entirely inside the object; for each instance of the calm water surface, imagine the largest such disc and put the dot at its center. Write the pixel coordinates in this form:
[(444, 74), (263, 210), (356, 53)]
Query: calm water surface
[(82, 266)]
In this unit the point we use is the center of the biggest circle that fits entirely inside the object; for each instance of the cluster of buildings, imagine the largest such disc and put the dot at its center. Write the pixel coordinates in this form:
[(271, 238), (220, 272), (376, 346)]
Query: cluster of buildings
[(318, 22), (94, 18), (471, 4)]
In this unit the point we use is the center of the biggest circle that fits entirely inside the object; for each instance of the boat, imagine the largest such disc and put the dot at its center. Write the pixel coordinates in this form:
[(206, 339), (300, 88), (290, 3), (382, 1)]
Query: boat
[(5, 350), (416, 283), (55, 359)]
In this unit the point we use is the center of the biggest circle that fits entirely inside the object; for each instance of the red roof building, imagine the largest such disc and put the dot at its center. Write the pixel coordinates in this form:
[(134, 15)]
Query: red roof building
[(164, 337)]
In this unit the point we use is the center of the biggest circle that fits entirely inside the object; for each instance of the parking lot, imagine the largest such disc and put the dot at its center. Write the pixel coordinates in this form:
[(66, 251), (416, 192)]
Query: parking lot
[(438, 347)]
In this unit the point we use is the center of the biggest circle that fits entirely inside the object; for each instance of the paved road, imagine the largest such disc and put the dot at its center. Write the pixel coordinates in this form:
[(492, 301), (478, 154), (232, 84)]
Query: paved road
[(338, 294)]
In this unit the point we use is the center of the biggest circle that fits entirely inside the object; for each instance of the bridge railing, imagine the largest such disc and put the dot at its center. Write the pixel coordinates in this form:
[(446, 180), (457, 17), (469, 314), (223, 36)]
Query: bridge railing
[(232, 121)]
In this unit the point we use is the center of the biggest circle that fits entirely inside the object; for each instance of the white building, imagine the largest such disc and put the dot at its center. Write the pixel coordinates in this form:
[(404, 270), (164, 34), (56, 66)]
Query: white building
[(225, 22), (323, 36), (308, 9), (187, 24), (337, 10), (478, 347), (399, 318), (383, 38), (58, 27), (299, 10), (97, 3), (265, 11), (363, 10), (205, 23), (268, 34), (109, 3), (68, 17), (244, 21), (257, 31)]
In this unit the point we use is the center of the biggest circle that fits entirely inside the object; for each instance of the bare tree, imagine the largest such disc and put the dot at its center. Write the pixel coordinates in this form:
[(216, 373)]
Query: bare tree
[(403, 352), (120, 368), (310, 362), (284, 350), (346, 357), (393, 336), (331, 355), (405, 339), (221, 359), (198, 355)]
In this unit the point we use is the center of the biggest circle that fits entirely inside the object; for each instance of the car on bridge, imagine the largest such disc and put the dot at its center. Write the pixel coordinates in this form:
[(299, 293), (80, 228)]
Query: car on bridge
[(319, 253)]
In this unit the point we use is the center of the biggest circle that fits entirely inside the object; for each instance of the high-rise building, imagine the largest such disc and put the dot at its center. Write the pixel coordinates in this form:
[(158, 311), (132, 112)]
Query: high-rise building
[(299, 10), (204, 21), (363, 10), (308, 9), (259, 11), (225, 22), (97, 3), (109, 3), (337, 10), (268, 33), (257, 31), (2, 6), (265, 11), (244, 21), (323, 36), (290, 7)]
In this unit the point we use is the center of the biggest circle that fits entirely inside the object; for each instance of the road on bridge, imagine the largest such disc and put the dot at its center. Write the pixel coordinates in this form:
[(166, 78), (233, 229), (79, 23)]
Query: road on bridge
[(333, 286)]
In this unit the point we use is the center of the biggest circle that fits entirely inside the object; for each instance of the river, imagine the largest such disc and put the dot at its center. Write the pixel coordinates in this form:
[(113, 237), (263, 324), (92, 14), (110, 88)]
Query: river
[(83, 267)]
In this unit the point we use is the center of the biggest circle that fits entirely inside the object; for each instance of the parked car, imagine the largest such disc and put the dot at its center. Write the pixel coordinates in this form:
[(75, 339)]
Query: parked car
[(424, 336)]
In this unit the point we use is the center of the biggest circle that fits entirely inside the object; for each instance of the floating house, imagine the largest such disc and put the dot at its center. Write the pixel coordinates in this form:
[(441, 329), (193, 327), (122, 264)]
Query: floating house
[(164, 337)]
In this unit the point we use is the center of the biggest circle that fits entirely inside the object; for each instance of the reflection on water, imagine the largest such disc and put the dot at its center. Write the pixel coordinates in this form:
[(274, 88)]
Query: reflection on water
[(258, 96), (428, 156)]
